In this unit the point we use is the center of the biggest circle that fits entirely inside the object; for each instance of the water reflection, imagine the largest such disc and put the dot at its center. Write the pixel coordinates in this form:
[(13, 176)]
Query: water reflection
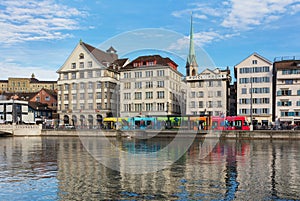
[(62, 169)]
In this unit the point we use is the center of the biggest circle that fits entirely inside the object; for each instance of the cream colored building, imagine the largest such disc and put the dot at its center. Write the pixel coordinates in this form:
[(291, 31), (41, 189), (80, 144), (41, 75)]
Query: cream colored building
[(87, 86), (255, 74), (208, 92), (287, 87), (151, 85), (26, 85)]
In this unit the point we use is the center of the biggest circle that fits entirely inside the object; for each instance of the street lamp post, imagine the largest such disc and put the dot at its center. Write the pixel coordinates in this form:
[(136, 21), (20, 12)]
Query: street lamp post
[(251, 102)]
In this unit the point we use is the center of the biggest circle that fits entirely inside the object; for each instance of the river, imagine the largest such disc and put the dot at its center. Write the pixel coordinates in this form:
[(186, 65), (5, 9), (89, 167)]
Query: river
[(68, 168)]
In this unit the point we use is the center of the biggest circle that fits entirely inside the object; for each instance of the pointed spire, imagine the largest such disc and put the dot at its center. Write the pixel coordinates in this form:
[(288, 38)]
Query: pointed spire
[(191, 60)]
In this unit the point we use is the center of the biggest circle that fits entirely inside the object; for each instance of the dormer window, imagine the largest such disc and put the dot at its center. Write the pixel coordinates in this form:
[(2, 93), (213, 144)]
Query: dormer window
[(81, 56)]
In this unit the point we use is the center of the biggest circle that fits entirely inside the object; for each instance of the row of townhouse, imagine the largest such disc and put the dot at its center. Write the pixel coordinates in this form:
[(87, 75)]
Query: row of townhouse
[(268, 92), (94, 84)]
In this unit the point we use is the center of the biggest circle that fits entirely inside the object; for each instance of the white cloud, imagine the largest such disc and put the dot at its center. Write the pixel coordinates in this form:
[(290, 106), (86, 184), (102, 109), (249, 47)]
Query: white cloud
[(200, 39), (9, 69), (244, 15), (36, 20)]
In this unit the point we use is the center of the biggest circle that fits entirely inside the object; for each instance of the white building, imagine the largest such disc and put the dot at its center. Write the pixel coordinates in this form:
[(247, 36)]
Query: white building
[(87, 86), (254, 74), (287, 87), (15, 111), (208, 92), (151, 85)]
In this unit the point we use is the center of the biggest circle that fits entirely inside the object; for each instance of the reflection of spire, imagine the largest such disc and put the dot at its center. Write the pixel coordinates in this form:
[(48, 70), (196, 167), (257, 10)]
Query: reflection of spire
[(191, 60)]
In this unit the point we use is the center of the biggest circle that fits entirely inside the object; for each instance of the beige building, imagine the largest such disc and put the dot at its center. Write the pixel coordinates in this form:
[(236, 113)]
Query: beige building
[(254, 74), (208, 92), (151, 85), (25, 85), (87, 86), (287, 87)]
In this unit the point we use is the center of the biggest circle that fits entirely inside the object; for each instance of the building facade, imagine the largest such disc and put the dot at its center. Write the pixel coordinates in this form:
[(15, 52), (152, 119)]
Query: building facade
[(150, 85), (14, 111), (208, 92), (87, 86), (25, 85), (287, 91), (254, 89)]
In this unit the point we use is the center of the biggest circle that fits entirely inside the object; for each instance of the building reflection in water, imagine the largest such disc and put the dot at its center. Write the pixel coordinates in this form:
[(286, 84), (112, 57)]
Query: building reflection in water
[(240, 170)]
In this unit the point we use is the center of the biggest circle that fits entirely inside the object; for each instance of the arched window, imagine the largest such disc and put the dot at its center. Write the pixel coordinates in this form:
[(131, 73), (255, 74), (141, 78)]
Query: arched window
[(66, 119), (81, 56), (193, 72)]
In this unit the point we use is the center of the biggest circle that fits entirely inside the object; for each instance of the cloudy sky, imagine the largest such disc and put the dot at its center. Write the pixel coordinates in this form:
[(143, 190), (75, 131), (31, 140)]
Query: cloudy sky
[(37, 36)]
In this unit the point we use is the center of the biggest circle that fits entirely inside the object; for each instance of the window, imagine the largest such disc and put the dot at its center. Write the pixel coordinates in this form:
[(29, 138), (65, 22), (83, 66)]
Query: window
[(66, 97), (90, 64), (160, 84), (200, 94), (138, 85), (193, 94), (127, 107), (127, 85), (288, 81), (66, 87), (99, 85), (47, 98), (73, 75), (82, 85), (149, 106), (90, 95), (65, 77), (127, 75), (38, 99), (90, 106), (160, 106), (149, 73), (81, 74), (74, 96), (90, 85), (200, 84), (254, 61), (210, 83), (218, 93), (138, 95), (99, 95), (90, 74), (160, 73), (160, 94), (81, 56), (138, 107), (244, 90), (81, 96), (138, 74), (73, 65), (81, 65), (149, 95), (193, 104), (127, 96), (200, 104), (149, 84)]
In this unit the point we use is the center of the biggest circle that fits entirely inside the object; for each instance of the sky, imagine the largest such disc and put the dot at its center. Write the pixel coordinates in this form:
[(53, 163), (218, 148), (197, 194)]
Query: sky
[(37, 36)]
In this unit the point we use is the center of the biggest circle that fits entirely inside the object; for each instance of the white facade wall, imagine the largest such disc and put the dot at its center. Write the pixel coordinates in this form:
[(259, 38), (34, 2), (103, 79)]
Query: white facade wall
[(152, 90), (255, 72), (208, 92), (86, 89), (288, 94)]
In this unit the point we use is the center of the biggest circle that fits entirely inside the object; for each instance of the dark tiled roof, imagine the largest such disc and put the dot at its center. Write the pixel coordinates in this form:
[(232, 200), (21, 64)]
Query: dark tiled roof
[(159, 61), (34, 80), (21, 95), (6, 81), (50, 92), (100, 55), (38, 106)]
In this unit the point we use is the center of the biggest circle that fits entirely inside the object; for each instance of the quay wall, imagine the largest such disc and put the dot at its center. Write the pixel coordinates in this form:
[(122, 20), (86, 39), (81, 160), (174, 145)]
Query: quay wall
[(257, 134)]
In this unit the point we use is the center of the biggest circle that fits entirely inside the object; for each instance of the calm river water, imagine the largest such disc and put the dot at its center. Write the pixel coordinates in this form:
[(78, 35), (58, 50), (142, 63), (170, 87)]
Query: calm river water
[(61, 168)]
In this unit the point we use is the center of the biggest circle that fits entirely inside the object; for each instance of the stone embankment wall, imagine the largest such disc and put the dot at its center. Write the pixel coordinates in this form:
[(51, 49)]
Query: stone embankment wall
[(260, 134)]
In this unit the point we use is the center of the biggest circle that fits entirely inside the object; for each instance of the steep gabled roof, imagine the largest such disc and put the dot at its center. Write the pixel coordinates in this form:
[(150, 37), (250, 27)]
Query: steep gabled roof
[(159, 61), (257, 55), (100, 55)]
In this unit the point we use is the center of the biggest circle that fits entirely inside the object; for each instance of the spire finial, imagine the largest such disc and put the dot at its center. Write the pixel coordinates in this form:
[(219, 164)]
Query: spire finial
[(191, 63)]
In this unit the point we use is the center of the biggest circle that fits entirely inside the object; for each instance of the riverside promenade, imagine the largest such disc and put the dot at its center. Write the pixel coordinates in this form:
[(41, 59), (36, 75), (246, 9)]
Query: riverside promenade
[(256, 134)]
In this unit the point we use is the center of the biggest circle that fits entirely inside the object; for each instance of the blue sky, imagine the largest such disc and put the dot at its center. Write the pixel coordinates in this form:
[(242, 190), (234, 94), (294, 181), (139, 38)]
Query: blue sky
[(37, 36)]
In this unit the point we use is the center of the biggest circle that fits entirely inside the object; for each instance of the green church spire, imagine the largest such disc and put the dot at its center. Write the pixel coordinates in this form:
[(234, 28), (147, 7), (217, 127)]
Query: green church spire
[(191, 63)]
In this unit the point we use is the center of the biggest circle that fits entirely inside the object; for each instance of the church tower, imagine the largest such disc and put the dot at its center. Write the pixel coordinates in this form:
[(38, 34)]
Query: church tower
[(191, 63)]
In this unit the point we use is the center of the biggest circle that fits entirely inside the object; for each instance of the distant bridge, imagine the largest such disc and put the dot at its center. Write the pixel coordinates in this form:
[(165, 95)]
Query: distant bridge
[(21, 130)]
